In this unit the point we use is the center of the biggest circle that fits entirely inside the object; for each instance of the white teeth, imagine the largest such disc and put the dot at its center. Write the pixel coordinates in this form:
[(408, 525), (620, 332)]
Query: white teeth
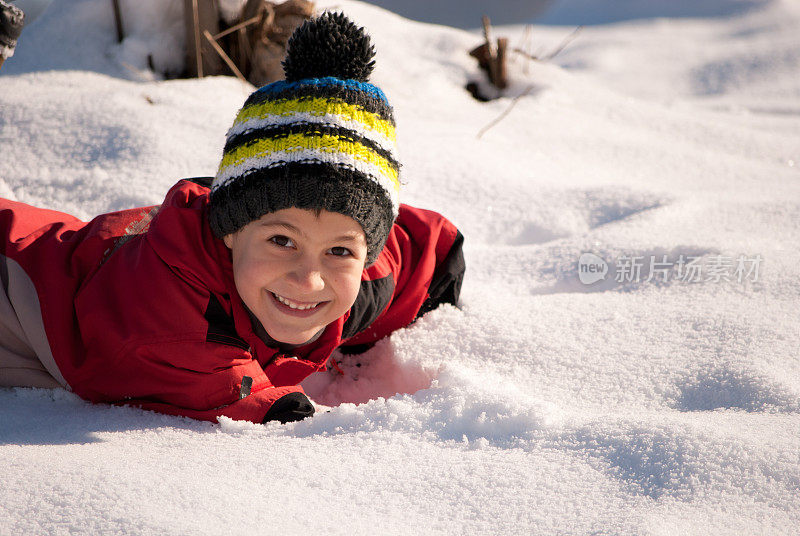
[(292, 304)]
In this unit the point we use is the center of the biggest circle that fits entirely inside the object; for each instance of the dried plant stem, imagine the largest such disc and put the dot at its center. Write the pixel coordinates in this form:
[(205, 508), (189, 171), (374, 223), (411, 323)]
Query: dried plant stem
[(526, 45), (494, 65), (118, 21), (197, 51), (239, 26), (567, 40), (224, 56), (506, 111)]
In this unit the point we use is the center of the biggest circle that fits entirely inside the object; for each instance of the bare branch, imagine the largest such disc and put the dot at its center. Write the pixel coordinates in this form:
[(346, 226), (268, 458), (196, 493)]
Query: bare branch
[(506, 112), (526, 54), (564, 44), (197, 50), (239, 26), (487, 33), (526, 44), (118, 21), (224, 56), (554, 53)]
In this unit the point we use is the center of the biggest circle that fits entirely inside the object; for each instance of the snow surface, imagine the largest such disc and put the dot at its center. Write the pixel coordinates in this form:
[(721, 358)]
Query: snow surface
[(543, 406)]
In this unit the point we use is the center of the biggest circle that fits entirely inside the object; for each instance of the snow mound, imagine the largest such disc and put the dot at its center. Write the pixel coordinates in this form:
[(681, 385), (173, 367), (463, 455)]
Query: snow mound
[(80, 35)]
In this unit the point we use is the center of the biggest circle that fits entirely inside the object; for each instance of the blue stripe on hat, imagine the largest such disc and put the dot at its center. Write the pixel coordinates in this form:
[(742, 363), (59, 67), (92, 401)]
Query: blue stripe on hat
[(328, 81)]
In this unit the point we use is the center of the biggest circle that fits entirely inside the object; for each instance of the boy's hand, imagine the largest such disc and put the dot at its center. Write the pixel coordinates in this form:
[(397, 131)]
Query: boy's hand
[(289, 408)]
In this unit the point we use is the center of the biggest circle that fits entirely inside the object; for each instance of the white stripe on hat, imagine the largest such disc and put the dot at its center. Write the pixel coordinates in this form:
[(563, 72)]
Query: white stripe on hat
[(276, 159)]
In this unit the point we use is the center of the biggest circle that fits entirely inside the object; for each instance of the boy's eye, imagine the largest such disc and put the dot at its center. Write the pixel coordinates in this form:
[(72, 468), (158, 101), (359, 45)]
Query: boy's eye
[(340, 251), (283, 241)]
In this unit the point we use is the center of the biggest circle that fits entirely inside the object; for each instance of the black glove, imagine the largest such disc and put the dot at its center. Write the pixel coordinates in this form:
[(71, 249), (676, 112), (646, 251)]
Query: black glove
[(289, 408)]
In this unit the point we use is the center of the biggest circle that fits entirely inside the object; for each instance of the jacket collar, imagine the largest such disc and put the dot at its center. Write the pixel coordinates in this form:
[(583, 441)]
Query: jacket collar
[(181, 236)]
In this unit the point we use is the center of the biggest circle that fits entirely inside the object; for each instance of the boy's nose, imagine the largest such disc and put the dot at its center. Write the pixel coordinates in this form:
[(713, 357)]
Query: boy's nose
[(307, 277)]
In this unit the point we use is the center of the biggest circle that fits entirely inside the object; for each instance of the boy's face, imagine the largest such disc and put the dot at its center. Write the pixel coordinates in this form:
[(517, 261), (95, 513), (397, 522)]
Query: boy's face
[(298, 272)]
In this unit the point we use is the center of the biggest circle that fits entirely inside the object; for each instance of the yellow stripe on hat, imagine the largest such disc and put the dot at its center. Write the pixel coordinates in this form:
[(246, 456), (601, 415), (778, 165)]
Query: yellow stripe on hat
[(319, 106), (332, 145)]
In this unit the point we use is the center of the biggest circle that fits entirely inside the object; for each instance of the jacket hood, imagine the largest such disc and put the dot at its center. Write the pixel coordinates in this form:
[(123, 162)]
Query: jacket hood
[(181, 236)]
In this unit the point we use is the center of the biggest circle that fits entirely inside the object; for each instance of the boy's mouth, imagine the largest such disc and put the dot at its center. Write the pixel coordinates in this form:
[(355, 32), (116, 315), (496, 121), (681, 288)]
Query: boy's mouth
[(293, 306)]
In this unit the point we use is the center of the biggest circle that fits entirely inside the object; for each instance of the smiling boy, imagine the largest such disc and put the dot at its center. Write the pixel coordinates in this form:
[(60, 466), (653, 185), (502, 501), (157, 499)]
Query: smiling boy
[(297, 271), (222, 299)]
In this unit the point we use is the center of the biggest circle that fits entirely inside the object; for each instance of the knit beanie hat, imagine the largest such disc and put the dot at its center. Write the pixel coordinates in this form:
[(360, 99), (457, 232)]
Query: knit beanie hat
[(323, 138)]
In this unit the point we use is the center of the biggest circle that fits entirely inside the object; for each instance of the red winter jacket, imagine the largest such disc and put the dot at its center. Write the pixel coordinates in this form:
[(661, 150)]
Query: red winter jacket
[(139, 306)]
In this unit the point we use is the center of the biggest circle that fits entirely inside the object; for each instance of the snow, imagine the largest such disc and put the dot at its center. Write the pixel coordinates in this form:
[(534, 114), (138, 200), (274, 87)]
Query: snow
[(544, 405), (604, 12)]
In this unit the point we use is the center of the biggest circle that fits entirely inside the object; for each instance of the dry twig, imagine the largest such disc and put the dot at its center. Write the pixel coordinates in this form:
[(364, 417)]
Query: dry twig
[(197, 52), (506, 111), (239, 26), (526, 45), (118, 21), (224, 56), (492, 58), (567, 40)]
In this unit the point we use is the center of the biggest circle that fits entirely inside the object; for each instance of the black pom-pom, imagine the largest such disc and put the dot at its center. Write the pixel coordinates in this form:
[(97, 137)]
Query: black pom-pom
[(330, 45)]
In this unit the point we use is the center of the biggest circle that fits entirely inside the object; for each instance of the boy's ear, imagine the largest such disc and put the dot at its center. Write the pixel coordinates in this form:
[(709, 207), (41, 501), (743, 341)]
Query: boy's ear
[(228, 239)]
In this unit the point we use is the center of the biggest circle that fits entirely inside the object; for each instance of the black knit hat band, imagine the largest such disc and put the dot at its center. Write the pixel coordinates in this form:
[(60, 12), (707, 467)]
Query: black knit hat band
[(310, 186)]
